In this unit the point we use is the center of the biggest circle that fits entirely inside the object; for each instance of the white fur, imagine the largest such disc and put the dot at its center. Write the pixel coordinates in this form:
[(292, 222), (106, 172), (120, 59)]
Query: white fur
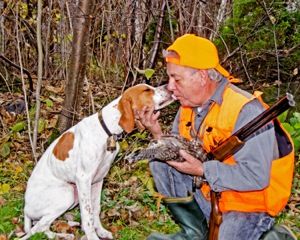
[(56, 186)]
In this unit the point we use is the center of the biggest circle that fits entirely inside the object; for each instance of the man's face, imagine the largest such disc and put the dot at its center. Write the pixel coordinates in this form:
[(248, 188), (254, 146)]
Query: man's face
[(187, 84)]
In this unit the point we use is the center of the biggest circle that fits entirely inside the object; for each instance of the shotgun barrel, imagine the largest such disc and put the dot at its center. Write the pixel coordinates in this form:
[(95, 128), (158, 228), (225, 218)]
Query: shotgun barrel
[(236, 140), (268, 115)]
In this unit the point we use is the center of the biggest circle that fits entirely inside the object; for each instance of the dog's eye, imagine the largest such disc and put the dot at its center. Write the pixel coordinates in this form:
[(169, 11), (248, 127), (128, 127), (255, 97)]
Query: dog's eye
[(147, 90)]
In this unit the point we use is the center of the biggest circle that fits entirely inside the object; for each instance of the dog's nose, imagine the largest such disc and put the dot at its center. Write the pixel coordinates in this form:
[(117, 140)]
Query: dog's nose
[(164, 89)]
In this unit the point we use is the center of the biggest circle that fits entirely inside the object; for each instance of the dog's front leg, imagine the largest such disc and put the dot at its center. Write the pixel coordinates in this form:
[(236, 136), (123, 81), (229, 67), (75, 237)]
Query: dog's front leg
[(84, 185), (96, 193)]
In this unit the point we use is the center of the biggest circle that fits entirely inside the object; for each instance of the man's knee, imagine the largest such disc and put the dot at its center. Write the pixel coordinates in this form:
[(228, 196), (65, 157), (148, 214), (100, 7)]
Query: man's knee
[(158, 168)]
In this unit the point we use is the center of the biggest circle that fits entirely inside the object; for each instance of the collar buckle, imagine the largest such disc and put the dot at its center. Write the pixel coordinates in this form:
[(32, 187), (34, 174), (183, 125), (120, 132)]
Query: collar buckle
[(111, 143)]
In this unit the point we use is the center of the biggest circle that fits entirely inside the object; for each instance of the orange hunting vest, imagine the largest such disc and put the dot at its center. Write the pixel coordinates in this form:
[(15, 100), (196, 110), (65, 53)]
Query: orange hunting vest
[(219, 125)]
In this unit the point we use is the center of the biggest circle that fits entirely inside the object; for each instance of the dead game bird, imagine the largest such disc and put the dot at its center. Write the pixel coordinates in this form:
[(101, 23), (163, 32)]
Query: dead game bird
[(167, 149)]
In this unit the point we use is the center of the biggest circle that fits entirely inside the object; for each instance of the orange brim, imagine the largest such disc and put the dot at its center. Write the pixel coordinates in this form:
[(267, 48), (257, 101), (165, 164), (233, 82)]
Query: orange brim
[(173, 60), (226, 74), (222, 70)]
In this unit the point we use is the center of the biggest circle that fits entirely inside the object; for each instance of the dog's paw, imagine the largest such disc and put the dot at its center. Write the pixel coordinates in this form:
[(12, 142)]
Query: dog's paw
[(92, 236), (64, 236), (104, 234)]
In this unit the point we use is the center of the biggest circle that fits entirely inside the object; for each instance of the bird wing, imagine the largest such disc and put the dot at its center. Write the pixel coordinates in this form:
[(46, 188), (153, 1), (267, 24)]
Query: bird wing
[(167, 149)]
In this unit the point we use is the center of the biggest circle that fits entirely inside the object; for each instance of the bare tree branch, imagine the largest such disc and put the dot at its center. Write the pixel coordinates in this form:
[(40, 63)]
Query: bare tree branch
[(220, 18), (24, 86), (157, 35), (40, 75)]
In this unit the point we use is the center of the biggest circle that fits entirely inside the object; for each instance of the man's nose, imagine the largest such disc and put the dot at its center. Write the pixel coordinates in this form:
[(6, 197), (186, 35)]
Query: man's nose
[(171, 85)]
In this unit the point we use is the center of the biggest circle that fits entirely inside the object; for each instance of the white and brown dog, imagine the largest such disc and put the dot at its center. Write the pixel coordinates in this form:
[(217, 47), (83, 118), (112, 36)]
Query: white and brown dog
[(72, 169)]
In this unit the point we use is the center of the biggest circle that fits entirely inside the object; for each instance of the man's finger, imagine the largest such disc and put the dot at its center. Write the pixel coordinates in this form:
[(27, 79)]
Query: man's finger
[(188, 157), (184, 154), (174, 164), (155, 116), (149, 113)]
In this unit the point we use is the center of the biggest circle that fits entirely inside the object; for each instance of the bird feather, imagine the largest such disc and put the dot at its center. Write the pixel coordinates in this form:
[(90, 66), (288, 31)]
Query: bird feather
[(167, 149)]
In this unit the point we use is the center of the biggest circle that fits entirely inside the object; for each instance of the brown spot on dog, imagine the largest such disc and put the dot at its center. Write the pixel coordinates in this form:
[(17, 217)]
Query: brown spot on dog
[(64, 145)]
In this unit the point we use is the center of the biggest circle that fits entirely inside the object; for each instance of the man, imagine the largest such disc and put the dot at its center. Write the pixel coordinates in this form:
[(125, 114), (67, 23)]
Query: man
[(254, 184)]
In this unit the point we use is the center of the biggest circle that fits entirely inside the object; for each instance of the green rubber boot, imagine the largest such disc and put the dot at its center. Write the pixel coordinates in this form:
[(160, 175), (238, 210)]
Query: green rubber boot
[(279, 232), (189, 216)]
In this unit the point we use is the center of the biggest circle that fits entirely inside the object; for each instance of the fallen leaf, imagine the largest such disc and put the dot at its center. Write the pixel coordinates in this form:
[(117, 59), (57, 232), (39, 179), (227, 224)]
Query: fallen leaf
[(18, 126), (56, 99), (15, 220), (62, 227), (115, 229), (5, 188), (272, 19), (52, 122), (5, 149), (19, 169), (19, 231), (49, 103), (3, 237), (69, 216), (73, 224), (295, 71), (41, 125), (113, 212), (2, 201), (55, 89), (125, 215), (124, 145)]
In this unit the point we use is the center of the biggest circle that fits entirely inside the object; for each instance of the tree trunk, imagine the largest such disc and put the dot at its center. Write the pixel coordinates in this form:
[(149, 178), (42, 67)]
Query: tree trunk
[(77, 67)]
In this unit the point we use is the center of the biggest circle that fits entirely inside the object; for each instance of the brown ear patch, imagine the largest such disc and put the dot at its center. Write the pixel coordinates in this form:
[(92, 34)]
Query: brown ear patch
[(64, 145), (127, 115)]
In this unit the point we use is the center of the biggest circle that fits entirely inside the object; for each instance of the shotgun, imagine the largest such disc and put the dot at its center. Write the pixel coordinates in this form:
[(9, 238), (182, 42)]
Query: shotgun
[(234, 143)]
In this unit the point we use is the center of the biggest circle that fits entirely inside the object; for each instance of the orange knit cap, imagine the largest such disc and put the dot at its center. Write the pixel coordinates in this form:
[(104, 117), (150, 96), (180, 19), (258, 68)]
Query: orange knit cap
[(197, 52)]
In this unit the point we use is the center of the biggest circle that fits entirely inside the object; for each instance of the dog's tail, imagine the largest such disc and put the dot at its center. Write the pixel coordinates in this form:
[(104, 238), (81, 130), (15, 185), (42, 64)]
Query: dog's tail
[(27, 223)]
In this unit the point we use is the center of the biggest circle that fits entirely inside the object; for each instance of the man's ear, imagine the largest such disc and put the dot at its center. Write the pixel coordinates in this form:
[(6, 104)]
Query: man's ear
[(203, 77), (127, 115)]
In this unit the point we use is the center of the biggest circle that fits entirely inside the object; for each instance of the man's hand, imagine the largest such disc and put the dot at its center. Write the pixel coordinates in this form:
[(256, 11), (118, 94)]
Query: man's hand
[(191, 165), (150, 121)]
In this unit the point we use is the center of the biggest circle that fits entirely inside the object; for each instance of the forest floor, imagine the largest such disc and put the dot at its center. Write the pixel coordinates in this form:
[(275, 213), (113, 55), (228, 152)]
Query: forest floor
[(131, 208)]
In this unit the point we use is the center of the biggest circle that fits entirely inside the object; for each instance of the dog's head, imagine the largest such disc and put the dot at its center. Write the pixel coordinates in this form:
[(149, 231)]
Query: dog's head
[(139, 96)]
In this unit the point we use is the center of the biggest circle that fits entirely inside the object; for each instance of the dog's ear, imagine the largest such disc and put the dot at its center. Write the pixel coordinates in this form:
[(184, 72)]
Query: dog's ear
[(127, 115)]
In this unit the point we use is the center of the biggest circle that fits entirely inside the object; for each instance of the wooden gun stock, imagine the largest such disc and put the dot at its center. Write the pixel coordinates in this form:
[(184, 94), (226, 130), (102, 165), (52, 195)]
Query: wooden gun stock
[(234, 143), (225, 149), (215, 218)]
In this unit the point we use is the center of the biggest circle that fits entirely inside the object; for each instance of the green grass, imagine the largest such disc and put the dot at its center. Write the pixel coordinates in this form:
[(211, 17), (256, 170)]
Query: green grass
[(145, 227), (129, 208), (38, 236), (13, 208)]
